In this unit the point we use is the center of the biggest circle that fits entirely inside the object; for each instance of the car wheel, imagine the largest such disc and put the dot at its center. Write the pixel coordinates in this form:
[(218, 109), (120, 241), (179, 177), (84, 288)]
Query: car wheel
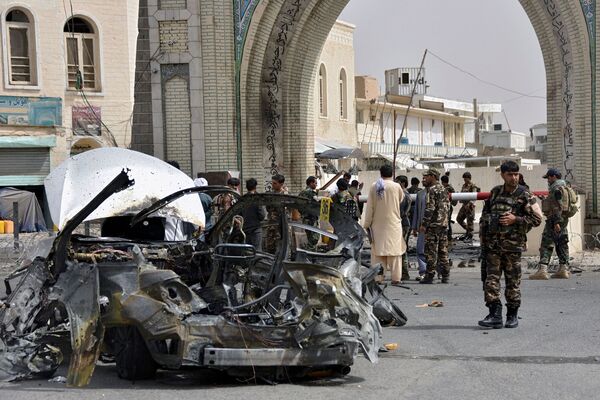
[(132, 356)]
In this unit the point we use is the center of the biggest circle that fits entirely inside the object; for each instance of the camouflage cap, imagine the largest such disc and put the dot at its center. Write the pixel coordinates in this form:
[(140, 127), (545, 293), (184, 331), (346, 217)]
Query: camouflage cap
[(433, 172)]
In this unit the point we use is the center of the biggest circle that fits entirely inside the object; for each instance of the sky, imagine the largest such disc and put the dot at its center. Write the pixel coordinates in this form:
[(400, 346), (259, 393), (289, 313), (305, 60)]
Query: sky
[(491, 39)]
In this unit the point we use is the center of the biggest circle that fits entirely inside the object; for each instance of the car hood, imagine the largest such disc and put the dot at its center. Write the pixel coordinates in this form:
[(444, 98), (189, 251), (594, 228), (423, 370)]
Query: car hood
[(75, 182)]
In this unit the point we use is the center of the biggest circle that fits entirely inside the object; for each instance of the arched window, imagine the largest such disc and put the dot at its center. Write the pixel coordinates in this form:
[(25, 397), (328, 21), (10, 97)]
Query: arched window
[(322, 91), (343, 95), (21, 47), (82, 54)]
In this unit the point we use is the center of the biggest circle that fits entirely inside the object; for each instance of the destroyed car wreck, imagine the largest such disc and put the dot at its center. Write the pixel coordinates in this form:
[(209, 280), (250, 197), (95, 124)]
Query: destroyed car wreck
[(209, 302)]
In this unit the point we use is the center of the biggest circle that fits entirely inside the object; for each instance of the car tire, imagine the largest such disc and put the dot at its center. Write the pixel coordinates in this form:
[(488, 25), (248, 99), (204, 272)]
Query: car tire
[(133, 359)]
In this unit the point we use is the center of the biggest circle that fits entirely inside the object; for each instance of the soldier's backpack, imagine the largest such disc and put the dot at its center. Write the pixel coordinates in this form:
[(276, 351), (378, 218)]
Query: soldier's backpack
[(570, 202)]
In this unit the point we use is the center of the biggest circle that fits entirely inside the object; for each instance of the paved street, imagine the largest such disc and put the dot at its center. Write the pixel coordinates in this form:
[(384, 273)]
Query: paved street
[(554, 354)]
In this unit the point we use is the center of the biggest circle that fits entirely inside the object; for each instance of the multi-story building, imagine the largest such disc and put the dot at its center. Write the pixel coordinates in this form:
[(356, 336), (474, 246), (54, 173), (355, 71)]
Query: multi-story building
[(539, 139), (67, 83), (486, 114), (429, 130), (334, 89)]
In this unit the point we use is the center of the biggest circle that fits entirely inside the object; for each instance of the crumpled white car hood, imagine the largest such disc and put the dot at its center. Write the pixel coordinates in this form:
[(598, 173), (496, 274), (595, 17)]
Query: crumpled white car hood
[(75, 182)]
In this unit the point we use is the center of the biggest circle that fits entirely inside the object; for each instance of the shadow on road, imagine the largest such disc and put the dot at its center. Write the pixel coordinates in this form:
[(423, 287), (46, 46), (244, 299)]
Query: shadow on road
[(105, 377), (440, 327)]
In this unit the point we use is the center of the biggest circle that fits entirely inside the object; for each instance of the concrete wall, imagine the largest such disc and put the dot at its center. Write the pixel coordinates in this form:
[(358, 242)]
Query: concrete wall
[(508, 140), (486, 178), (366, 87)]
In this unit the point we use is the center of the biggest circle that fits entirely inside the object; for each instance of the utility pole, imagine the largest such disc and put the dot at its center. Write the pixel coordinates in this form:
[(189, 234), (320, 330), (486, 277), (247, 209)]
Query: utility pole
[(412, 95), (506, 118), (394, 138), (476, 115)]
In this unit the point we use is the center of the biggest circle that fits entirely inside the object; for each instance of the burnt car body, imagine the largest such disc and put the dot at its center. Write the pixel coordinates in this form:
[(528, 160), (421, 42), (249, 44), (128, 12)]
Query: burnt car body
[(213, 303)]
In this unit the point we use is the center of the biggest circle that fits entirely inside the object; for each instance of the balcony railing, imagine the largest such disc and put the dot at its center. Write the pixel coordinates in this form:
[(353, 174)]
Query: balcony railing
[(421, 151)]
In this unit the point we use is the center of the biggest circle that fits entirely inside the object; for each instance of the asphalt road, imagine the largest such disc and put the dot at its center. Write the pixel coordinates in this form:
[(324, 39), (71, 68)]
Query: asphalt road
[(442, 354)]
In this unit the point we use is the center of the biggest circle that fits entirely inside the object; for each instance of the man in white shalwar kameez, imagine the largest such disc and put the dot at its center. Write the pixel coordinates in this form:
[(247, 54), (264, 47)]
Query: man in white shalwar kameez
[(382, 218)]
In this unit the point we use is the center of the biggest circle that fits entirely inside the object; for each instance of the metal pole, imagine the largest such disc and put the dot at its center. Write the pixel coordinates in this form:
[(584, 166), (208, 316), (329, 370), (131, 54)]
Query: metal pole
[(464, 196), (17, 228), (412, 95), (394, 139), (476, 116)]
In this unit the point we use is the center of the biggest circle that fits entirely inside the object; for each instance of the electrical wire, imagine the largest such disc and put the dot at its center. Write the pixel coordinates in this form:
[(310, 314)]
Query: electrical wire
[(520, 97), (483, 80)]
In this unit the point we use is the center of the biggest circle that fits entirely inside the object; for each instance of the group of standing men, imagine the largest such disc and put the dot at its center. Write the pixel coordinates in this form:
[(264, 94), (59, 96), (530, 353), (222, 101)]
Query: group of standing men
[(428, 218), (508, 215)]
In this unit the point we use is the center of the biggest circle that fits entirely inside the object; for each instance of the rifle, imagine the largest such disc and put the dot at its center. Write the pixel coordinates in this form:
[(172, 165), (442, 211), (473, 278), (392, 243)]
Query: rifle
[(482, 250), (483, 260), (557, 237)]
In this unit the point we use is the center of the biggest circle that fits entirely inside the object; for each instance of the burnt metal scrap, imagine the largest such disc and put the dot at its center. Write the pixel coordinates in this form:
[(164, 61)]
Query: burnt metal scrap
[(214, 303)]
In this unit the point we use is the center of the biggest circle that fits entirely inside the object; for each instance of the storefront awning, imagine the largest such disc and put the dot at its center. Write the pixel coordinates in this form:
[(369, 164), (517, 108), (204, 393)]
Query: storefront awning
[(336, 154), (403, 161)]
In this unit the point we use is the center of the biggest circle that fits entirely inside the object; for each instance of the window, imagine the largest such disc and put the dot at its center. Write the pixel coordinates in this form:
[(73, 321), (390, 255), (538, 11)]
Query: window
[(359, 117), (343, 95), (405, 78), (21, 48), (322, 91), (82, 54)]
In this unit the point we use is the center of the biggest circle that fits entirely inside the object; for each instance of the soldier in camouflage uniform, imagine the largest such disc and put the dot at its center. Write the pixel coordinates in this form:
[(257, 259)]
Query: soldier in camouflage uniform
[(310, 193), (507, 216), (555, 229), (467, 211), (223, 202), (344, 199), (435, 227), (273, 229)]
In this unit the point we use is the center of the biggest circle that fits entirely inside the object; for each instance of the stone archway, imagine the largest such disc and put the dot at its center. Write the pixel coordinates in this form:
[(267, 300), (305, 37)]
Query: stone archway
[(567, 37), (279, 42), (277, 74)]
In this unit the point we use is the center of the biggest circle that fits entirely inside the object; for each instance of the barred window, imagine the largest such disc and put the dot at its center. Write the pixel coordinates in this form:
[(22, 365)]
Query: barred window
[(21, 47)]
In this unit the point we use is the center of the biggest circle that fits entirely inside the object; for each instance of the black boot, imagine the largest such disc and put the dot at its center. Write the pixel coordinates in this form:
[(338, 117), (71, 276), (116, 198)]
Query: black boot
[(427, 278), (512, 319), (494, 318)]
